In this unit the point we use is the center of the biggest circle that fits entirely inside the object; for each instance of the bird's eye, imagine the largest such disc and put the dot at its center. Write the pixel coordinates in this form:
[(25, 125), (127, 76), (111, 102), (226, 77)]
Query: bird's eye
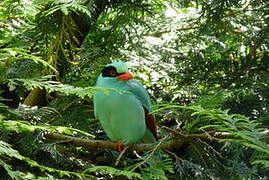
[(112, 73), (109, 72)]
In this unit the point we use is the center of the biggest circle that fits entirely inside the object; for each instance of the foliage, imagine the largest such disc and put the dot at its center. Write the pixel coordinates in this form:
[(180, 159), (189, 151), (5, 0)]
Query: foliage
[(113, 172), (10, 58), (6, 150), (204, 63)]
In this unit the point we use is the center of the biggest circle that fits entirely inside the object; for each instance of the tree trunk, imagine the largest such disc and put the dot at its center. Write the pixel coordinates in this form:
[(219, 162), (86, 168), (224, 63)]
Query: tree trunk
[(37, 97)]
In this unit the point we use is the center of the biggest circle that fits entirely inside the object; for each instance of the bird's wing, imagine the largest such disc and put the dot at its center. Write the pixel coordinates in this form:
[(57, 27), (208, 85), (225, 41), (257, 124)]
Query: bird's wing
[(142, 95), (140, 92), (151, 123)]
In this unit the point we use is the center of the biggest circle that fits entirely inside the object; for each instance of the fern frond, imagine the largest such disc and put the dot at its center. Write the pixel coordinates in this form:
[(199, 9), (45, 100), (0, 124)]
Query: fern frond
[(7, 151), (22, 126), (244, 131), (52, 86), (15, 54), (107, 170), (185, 167), (156, 171), (8, 168), (66, 7), (247, 132), (265, 163)]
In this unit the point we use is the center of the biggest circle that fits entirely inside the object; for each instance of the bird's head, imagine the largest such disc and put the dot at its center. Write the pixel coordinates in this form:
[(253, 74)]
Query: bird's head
[(117, 70)]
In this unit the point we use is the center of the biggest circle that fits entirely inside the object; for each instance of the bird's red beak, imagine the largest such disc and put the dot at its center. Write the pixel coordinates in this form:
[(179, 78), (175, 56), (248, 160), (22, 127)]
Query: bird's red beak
[(125, 77)]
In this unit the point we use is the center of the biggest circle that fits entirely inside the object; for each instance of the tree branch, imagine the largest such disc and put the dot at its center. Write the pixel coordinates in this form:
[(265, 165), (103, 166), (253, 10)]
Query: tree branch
[(176, 142)]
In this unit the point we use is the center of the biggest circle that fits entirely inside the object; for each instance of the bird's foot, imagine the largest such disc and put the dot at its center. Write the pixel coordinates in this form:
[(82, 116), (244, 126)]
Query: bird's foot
[(119, 146)]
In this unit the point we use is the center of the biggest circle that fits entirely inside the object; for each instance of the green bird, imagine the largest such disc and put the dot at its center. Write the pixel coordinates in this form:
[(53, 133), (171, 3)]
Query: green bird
[(124, 112)]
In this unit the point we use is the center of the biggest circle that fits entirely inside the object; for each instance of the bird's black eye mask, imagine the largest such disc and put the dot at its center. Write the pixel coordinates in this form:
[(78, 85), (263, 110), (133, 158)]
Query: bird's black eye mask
[(110, 71)]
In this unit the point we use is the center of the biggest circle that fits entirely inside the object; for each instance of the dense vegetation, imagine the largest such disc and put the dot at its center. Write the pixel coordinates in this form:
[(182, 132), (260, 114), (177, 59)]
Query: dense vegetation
[(204, 63)]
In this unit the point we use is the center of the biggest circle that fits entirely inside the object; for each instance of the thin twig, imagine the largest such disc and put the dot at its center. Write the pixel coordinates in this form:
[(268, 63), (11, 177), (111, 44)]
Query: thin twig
[(120, 155), (151, 153), (172, 154), (174, 132)]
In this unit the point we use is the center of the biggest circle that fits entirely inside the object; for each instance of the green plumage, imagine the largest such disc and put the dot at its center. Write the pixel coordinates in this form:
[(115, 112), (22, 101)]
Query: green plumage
[(121, 113)]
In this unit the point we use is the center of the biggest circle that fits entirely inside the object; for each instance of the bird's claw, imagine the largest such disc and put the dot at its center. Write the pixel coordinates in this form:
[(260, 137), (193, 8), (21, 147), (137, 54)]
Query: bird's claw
[(119, 146)]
